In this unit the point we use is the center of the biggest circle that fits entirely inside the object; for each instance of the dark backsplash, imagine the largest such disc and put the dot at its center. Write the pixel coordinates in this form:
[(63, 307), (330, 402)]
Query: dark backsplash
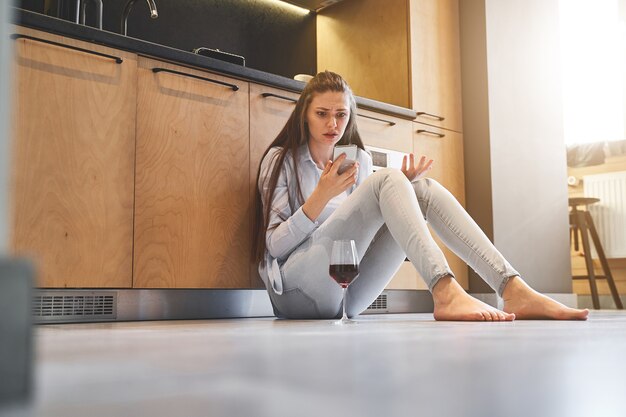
[(271, 37)]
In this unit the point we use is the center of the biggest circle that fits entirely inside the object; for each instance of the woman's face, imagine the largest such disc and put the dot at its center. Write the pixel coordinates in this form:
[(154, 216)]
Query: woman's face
[(327, 117)]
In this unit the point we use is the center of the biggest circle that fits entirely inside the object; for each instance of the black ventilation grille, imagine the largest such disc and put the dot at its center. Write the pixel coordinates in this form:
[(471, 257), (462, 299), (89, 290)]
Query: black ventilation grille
[(78, 306), (380, 303)]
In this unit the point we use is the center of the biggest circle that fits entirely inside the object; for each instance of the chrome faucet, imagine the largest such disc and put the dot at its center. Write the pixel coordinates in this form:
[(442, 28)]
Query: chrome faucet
[(129, 5), (81, 6)]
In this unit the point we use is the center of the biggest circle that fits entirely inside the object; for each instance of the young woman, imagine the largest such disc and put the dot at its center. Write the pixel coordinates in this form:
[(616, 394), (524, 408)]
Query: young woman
[(304, 204)]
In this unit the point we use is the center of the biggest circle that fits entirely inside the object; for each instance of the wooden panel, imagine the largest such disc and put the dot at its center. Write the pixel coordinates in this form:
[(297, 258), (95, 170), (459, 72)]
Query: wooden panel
[(268, 115), (436, 61), (407, 278), (366, 42), (381, 134), (73, 162), (447, 153), (192, 183)]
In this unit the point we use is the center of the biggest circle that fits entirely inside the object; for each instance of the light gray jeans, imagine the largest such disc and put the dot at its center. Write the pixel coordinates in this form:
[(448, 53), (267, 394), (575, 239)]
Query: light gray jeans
[(387, 223)]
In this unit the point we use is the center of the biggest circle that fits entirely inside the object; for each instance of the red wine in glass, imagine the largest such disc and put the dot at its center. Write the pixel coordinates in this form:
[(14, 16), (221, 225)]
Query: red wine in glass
[(344, 274), (344, 268)]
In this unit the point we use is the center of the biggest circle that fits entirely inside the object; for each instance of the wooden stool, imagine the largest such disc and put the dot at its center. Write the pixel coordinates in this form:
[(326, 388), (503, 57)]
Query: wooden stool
[(581, 220)]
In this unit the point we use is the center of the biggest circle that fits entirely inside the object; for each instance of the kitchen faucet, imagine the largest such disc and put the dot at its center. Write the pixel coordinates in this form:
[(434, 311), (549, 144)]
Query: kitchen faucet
[(81, 6), (129, 5)]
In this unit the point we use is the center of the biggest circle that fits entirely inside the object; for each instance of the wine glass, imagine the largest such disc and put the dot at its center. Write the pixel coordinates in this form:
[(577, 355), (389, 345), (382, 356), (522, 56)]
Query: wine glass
[(344, 268)]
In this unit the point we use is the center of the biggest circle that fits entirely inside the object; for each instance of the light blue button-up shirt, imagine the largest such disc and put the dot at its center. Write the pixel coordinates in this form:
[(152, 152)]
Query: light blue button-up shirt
[(290, 233)]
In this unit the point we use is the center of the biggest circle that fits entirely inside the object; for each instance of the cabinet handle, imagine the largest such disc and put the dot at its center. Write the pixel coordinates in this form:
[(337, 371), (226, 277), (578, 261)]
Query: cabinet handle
[(423, 113), (16, 36), (377, 119), (428, 132), (184, 74), (265, 95)]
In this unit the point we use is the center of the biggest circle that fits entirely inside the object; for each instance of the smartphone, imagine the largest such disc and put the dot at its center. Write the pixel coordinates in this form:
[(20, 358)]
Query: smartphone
[(350, 151)]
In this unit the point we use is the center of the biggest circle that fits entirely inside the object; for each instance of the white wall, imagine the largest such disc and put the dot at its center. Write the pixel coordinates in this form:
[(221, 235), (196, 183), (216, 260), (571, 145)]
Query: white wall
[(528, 157), (527, 160), (5, 45)]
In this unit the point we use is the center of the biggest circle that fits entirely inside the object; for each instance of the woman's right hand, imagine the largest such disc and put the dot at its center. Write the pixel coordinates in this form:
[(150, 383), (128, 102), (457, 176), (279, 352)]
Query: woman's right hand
[(330, 185)]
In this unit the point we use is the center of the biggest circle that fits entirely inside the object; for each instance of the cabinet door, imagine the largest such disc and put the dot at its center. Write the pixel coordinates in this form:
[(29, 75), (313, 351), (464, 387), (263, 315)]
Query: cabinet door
[(192, 227), (446, 149), (366, 42), (73, 161), (383, 131), (269, 110), (436, 62)]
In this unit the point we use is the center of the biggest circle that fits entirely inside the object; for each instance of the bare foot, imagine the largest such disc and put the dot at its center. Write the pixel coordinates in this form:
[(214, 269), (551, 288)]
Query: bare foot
[(528, 304), (453, 303)]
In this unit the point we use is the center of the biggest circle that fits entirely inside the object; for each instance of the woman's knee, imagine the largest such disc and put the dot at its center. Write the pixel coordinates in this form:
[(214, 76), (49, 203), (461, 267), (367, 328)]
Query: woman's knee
[(426, 187), (389, 174)]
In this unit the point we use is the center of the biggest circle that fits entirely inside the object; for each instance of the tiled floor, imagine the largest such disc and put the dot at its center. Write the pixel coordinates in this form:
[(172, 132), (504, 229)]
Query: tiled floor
[(387, 365)]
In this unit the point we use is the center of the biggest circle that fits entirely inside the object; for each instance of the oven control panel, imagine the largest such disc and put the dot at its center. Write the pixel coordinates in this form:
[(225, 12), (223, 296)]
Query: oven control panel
[(385, 158)]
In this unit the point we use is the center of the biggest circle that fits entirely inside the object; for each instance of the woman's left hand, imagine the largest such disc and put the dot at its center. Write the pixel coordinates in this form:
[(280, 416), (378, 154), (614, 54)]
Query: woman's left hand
[(414, 172)]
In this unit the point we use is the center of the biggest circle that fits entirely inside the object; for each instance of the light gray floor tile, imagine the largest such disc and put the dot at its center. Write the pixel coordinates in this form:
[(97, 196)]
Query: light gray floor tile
[(386, 365)]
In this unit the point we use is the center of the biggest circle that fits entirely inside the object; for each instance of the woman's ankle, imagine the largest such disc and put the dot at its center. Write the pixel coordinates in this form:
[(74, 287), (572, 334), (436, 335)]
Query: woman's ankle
[(445, 289), (514, 285)]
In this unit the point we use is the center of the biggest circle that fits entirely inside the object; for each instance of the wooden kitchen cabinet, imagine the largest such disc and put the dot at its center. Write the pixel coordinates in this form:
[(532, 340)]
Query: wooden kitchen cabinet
[(384, 131), (270, 109), (192, 223), (445, 147), (366, 42), (403, 52), (73, 160), (435, 52), (133, 172)]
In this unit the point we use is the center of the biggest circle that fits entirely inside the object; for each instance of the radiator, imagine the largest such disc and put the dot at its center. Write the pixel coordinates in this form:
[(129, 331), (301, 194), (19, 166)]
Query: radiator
[(609, 215)]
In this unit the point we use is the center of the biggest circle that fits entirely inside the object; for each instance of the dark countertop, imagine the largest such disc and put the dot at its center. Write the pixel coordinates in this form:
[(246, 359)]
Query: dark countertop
[(115, 40)]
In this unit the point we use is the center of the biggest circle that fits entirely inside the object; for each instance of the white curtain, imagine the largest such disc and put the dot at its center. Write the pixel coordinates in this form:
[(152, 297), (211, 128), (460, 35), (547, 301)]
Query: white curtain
[(593, 48)]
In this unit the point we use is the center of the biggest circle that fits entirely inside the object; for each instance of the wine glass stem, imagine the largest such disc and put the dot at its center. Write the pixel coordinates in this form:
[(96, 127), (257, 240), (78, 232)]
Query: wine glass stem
[(345, 317)]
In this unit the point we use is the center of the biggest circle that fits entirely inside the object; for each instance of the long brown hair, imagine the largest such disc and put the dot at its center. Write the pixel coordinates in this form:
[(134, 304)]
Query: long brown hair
[(294, 134)]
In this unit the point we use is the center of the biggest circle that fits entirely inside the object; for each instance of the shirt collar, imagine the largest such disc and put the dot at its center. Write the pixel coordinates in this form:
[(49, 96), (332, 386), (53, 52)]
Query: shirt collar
[(305, 153)]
